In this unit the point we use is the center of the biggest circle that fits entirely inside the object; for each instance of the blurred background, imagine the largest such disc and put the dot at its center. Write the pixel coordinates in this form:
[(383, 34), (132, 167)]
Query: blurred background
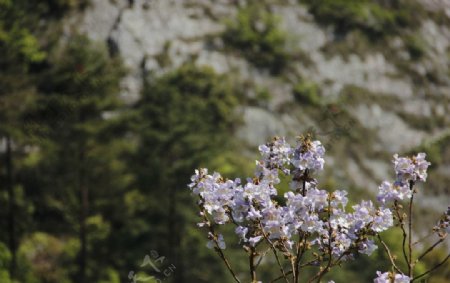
[(108, 106)]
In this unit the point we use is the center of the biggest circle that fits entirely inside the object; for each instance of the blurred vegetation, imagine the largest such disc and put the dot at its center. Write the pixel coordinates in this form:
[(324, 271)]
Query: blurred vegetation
[(257, 35), (307, 93), (376, 18)]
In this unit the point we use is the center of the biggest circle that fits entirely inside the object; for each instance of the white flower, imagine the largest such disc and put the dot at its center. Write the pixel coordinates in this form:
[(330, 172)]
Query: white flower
[(411, 169), (211, 243), (254, 240), (308, 155), (397, 191), (241, 232), (389, 277)]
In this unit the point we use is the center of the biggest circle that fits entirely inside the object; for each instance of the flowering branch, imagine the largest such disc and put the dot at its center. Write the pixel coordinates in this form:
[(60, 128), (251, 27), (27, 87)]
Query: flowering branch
[(215, 239), (308, 217), (272, 247)]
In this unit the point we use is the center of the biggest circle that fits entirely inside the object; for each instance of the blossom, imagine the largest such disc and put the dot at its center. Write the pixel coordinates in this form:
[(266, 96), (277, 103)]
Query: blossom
[(273, 223), (389, 277), (258, 212), (367, 247), (276, 154), (254, 240), (411, 168), (393, 191), (220, 242), (308, 155), (216, 194)]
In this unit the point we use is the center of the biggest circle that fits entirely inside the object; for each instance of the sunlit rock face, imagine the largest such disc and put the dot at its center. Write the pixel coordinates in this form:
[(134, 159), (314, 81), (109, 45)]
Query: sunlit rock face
[(401, 102)]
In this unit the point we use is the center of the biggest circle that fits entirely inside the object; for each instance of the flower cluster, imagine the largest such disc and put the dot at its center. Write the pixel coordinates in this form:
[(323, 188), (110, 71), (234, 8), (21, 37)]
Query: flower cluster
[(307, 217), (319, 214), (308, 155), (408, 170), (389, 277), (411, 169), (275, 154)]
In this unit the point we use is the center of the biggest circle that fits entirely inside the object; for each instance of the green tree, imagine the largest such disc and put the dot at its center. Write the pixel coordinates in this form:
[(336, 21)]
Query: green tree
[(20, 50), (79, 131), (185, 117), (257, 34)]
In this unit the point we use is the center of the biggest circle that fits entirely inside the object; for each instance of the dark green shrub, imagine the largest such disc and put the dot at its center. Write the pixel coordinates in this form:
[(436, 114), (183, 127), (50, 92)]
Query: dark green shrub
[(375, 18), (256, 34), (415, 46)]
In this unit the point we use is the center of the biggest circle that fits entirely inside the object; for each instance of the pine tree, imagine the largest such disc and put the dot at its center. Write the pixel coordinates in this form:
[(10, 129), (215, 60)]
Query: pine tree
[(80, 136), (19, 49), (185, 117)]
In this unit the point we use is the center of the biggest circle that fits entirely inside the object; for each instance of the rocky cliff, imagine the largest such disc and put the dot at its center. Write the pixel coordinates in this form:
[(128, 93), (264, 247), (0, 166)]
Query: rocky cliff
[(377, 95)]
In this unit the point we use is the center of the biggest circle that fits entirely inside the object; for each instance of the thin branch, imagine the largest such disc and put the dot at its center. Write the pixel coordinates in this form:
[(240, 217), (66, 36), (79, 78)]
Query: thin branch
[(301, 236), (217, 248), (430, 249), (400, 219), (261, 257), (410, 219), (281, 277), (272, 246), (431, 270), (391, 258), (423, 238), (251, 259), (299, 254)]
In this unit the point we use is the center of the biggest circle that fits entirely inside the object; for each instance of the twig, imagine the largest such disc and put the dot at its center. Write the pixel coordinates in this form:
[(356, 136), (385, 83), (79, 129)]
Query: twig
[(400, 219), (261, 257), (423, 238), (431, 270), (299, 254), (430, 249), (251, 258), (281, 277), (391, 258), (217, 249), (410, 219), (272, 246)]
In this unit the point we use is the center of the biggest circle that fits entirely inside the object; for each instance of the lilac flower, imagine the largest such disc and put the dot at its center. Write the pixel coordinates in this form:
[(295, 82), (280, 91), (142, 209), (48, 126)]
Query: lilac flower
[(254, 240), (339, 198), (411, 169), (276, 154), (211, 244), (273, 223), (241, 232), (367, 247), (321, 215), (308, 155), (216, 194), (389, 277), (367, 216), (382, 220), (397, 191)]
